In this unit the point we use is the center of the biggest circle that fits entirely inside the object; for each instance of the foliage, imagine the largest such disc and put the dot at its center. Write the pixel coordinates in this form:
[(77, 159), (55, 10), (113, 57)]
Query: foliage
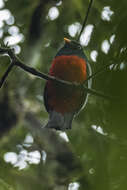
[(96, 154)]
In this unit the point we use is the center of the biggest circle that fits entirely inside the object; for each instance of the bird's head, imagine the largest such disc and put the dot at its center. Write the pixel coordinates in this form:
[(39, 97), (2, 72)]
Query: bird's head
[(71, 48)]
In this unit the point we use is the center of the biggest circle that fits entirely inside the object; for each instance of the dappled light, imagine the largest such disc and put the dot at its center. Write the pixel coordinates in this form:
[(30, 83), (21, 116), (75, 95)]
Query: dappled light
[(105, 46), (1, 4), (53, 13), (73, 29), (14, 36), (23, 158), (92, 155), (10, 157), (106, 13), (98, 129), (112, 38), (73, 186), (64, 136), (86, 35), (94, 55), (4, 15), (15, 39)]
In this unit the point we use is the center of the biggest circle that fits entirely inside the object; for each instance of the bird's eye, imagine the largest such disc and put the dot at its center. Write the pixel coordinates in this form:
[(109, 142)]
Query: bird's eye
[(76, 45), (79, 47)]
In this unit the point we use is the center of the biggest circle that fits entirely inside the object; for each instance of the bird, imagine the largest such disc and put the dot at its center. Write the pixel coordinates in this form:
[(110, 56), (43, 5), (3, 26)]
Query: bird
[(64, 102)]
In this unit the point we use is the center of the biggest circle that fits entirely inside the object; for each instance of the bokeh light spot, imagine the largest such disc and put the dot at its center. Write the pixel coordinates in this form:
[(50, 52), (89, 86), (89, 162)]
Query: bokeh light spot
[(73, 29), (73, 186), (105, 46), (53, 13), (106, 13), (86, 35), (94, 55)]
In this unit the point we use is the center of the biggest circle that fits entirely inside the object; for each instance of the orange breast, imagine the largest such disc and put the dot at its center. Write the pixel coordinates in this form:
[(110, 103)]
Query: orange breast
[(71, 68), (65, 98)]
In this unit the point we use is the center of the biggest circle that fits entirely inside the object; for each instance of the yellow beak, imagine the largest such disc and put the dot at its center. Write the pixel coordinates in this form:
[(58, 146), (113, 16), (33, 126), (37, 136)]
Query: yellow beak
[(67, 40)]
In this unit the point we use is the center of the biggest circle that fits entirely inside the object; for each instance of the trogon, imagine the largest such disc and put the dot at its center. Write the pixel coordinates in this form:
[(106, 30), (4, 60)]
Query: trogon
[(63, 102)]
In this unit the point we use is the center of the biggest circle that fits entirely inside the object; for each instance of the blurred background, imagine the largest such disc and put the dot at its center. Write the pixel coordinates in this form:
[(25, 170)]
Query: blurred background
[(91, 156)]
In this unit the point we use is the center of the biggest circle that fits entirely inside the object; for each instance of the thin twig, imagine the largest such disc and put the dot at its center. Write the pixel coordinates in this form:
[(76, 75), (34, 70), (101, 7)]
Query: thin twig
[(102, 69), (99, 94), (85, 19), (6, 74), (17, 62)]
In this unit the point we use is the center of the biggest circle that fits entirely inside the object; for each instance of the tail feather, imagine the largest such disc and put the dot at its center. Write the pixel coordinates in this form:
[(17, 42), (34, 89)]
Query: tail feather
[(59, 121)]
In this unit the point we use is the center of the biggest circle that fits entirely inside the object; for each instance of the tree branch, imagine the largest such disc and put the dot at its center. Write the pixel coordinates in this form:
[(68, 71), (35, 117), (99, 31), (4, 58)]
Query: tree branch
[(6, 74), (15, 61), (42, 75)]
